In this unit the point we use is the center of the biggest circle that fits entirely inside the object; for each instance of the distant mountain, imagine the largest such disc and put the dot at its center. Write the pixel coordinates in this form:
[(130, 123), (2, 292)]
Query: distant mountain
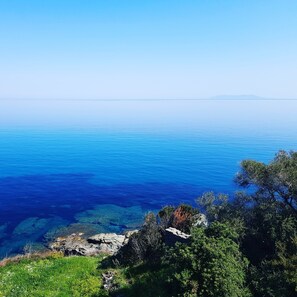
[(237, 97)]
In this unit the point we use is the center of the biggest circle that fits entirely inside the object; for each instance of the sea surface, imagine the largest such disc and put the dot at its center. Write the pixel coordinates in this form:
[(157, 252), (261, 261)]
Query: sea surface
[(100, 166)]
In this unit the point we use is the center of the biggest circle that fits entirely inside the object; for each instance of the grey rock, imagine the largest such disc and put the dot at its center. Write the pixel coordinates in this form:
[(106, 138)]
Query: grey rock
[(200, 220), (108, 243), (128, 234), (173, 235), (108, 280), (74, 244), (103, 243)]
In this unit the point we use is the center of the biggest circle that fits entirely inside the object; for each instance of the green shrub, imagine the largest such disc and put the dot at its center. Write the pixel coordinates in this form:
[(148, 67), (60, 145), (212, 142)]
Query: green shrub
[(143, 246), (212, 265)]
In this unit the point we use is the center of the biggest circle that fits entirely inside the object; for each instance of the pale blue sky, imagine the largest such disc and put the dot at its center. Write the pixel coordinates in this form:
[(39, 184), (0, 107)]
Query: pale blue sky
[(147, 49)]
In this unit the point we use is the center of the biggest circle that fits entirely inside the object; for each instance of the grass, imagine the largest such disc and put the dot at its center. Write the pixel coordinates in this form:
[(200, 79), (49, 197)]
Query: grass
[(52, 276), (144, 280)]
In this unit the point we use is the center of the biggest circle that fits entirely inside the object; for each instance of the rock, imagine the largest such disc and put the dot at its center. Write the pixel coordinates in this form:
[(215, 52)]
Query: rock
[(200, 220), (74, 244), (128, 234), (108, 243), (108, 281), (173, 235), (103, 243)]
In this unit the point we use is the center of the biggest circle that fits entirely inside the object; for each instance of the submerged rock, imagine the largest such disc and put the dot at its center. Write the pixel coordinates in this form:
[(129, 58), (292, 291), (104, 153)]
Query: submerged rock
[(27, 235), (30, 225), (3, 230), (112, 218), (64, 231)]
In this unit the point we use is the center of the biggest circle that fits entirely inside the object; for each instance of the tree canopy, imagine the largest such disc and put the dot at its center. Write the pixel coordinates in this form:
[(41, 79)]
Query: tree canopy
[(276, 181)]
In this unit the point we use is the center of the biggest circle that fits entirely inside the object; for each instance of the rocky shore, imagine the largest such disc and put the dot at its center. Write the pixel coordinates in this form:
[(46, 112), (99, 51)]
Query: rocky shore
[(103, 243)]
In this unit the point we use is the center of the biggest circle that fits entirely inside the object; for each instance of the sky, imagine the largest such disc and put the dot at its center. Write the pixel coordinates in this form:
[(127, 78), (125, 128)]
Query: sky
[(148, 49)]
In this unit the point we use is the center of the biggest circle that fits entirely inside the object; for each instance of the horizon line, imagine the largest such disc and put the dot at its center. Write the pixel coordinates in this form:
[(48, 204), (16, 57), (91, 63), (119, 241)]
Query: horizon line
[(150, 99)]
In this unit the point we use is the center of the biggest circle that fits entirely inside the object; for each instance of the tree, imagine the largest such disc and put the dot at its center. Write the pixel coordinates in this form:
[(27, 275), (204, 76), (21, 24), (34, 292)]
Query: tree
[(277, 277), (275, 182), (164, 216), (270, 242), (144, 246), (212, 265), (213, 205), (183, 217), (220, 208)]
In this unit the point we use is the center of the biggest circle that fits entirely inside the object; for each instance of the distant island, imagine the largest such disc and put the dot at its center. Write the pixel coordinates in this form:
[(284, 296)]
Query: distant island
[(239, 97)]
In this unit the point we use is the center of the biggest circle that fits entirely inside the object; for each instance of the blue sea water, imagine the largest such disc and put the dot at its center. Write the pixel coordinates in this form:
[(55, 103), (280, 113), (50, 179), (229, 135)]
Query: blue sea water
[(100, 166)]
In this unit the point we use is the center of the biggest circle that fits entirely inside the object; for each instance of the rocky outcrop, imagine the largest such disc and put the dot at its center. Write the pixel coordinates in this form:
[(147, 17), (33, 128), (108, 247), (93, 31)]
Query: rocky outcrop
[(103, 243), (173, 235), (74, 244), (128, 234), (108, 243)]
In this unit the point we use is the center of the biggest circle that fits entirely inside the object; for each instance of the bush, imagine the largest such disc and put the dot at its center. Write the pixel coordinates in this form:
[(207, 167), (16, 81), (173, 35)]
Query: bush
[(212, 265), (143, 246), (183, 218)]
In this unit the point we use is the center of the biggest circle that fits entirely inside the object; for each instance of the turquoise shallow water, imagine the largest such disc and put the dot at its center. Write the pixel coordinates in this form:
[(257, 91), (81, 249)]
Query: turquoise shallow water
[(100, 167)]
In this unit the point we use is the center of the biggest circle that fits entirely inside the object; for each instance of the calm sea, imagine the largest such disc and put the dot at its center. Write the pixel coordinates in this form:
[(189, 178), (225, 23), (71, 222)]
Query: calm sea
[(99, 166)]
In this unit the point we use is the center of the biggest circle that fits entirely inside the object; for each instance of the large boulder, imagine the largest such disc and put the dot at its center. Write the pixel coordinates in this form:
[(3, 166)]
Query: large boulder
[(74, 244), (173, 235), (108, 243), (103, 243)]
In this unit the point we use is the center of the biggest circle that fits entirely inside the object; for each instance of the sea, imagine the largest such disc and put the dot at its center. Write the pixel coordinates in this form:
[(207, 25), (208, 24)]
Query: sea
[(94, 166)]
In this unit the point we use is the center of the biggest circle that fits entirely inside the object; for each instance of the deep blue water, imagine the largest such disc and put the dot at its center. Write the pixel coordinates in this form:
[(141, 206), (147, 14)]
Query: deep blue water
[(95, 175)]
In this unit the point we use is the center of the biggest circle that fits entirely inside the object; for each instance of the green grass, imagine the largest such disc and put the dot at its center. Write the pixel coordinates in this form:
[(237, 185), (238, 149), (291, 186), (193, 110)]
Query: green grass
[(59, 277), (144, 280)]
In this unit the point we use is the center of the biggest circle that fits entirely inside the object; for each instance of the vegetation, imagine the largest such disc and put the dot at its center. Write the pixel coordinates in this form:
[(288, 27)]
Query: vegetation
[(211, 265), (145, 245), (52, 276), (275, 183), (248, 248)]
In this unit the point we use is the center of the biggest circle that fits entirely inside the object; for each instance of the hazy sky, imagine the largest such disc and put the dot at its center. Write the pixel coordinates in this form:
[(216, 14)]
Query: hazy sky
[(147, 48)]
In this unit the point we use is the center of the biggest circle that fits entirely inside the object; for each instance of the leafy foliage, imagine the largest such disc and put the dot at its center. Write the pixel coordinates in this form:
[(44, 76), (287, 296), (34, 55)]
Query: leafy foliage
[(275, 182), (165, 215), (183, 217), (212, 265), (145, 245)]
